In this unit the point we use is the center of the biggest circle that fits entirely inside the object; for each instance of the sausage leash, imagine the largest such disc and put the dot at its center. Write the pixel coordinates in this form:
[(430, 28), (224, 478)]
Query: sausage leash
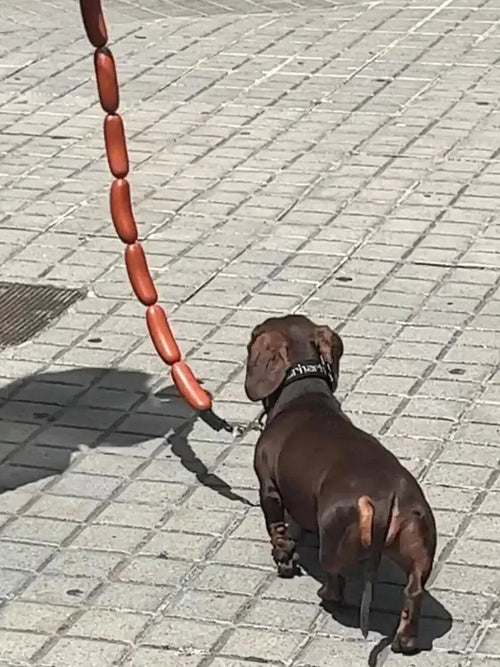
[(123, 220)]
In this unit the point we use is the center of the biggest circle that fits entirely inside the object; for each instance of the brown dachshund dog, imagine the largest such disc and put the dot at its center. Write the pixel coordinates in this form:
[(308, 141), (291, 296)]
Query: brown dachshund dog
[(330, 477)]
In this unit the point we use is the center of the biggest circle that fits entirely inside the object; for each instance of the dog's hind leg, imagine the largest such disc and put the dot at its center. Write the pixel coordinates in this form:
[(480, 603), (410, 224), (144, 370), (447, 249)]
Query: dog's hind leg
[(333, 589), (335, 553), (415, 557)]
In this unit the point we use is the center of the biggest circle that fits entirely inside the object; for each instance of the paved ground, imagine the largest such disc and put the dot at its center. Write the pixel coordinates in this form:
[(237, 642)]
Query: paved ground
[(341, 160)]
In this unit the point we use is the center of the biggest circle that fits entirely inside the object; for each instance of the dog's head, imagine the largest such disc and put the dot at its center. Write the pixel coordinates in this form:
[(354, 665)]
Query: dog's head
[(279, 343)]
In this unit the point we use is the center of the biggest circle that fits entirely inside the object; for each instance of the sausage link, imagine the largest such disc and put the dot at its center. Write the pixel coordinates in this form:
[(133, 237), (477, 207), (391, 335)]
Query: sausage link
[(189, 387), (93, 20), (161, 335), (139, 276), (116, 147), (107, 81), (121, 211)]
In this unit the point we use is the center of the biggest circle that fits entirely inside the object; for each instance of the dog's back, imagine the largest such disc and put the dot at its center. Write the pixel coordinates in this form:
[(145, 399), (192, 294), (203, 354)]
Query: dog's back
[(314, 452)]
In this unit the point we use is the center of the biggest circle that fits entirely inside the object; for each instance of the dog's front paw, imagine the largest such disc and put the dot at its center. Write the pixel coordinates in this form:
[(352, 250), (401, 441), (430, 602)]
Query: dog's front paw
[(283, 551), (287, 569)]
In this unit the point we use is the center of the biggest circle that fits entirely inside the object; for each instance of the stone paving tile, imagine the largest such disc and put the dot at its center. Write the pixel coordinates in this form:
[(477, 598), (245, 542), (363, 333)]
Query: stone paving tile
[(335, 158)]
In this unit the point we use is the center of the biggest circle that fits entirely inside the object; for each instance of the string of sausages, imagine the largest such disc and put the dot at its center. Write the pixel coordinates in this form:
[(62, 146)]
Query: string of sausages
[(124, 222)]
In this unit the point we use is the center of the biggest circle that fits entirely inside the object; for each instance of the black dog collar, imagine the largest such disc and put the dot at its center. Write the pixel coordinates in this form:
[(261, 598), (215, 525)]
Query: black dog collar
[(305, 369), (310, 369)]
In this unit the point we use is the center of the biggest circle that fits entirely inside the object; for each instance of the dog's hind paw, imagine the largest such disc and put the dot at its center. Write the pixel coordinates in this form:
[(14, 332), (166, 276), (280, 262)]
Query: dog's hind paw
[(332, 593), (405, 645)]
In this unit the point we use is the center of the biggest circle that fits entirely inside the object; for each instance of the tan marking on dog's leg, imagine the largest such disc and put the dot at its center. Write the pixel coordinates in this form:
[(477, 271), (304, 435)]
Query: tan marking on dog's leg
[(365, 508), (395, 523)]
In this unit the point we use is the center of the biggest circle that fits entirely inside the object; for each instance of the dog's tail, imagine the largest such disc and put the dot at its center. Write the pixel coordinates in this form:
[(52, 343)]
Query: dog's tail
[(374, 521)]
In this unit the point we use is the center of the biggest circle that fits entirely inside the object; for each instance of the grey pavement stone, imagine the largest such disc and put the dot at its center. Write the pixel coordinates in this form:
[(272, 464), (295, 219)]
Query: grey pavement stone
[(262, 644), (109, 624), (436, 659), (35, 529), (335, 158), (207, 605), (83, 563), (109, 538), (146, 569), (18, 646), (11, 581), (35, 617), (320, 651), (20, 556), (82, 652), (146, 657), (59, 589), (183, 634)]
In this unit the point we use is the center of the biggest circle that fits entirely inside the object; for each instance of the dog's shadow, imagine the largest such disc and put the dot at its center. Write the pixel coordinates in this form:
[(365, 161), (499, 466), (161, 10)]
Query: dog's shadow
[(47, 418), (435, 621)]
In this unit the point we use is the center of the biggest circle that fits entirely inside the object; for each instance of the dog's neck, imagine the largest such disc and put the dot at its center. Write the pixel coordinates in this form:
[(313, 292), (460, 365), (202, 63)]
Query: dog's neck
[(309, 377)]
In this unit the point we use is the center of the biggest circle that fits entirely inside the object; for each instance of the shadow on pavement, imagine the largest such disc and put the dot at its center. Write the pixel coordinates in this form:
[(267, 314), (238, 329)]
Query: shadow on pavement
[(47, 417), (435, 621)]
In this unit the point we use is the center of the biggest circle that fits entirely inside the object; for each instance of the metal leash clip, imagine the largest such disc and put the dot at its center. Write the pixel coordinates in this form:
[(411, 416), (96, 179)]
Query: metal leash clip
[(237, 430), (219, 424)]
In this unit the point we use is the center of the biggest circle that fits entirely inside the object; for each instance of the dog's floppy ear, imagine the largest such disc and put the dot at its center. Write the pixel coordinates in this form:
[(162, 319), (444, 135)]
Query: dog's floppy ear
[(329, 344), (267, 364)]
